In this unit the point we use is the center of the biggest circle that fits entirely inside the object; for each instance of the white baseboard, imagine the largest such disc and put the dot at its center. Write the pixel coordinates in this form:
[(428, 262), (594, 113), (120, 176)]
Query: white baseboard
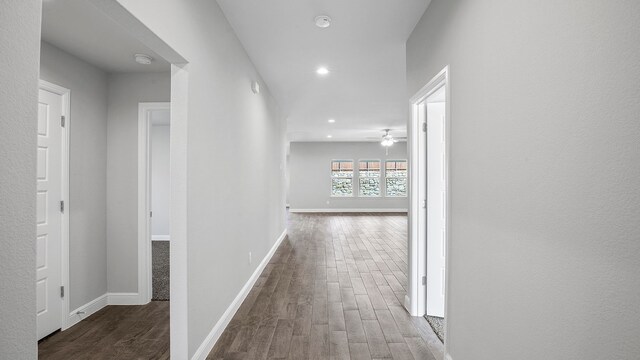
[(160, 238), (218, 329), (85, 311), (347, 210), (123, 299), (97, 304)]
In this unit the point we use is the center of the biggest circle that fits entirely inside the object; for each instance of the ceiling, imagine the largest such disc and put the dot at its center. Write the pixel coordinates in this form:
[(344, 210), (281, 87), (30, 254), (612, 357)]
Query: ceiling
[(81, 29), (364, 49)]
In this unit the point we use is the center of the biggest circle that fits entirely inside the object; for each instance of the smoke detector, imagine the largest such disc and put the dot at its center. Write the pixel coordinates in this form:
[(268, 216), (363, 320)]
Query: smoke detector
[(323, 21), (143, 59)]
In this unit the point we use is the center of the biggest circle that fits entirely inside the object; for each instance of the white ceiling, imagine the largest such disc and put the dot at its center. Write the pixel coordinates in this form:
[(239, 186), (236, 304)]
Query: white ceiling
[(364, 48), (81, 29)]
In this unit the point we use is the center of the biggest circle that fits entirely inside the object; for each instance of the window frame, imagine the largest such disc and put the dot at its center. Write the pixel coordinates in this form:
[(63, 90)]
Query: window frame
[(381, 193), (406, 177), (331, 177)]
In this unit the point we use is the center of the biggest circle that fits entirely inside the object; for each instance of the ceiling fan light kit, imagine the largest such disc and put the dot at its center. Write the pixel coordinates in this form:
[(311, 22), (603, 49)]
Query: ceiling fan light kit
[(387, 139)]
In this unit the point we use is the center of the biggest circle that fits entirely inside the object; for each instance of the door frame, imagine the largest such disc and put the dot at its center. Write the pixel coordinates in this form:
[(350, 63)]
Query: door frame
[(65, 94), (415, 302), (145, 279)]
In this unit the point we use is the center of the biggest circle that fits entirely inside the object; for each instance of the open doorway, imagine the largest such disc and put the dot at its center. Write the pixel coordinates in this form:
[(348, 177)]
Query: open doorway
[(436, 210), (429, 210), (154, 124), (87, 253)]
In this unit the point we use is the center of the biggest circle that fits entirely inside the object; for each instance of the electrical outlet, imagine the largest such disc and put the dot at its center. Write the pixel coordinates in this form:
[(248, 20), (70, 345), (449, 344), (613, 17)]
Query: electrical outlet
[(328, 202), (250, 260)]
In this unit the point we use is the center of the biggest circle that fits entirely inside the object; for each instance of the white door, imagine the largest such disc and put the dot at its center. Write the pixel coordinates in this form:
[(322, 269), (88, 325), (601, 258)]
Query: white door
[(436, 207), (49, 216)]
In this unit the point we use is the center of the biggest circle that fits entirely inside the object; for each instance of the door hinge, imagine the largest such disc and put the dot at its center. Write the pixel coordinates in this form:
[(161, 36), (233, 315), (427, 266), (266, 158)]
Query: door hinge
[(424, 280), (62, 206), (62, 120), (61, 291), (424, 126), (150, 213), (424, 204)]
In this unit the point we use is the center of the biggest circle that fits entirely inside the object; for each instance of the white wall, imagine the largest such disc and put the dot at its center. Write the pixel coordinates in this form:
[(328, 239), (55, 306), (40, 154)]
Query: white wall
[(160, 180), (227, 125), (545, 169), (88, 171), (20, 48), (310, 171), (126, 91)]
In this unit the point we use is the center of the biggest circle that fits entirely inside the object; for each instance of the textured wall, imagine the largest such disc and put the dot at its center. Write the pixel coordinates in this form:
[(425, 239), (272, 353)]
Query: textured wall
[(310, 169), (87, 171), (20, 48), (545, 169)]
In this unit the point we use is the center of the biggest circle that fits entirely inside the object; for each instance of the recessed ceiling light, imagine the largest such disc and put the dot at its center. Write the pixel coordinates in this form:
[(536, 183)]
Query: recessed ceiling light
[(322, 71), (329, 136), (143, 59), (331, 121), (323, 21)]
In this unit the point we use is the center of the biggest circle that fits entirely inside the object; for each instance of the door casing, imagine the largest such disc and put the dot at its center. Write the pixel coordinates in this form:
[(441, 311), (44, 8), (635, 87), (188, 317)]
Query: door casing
[(415, 301)]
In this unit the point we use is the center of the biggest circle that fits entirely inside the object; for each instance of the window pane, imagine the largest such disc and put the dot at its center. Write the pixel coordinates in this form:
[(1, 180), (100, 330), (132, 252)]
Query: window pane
[(396, 168), (369, 174), (396, 186), (396, 178), (369, 168), (396, 173), (369, 186), (341, 187), (342, 168)]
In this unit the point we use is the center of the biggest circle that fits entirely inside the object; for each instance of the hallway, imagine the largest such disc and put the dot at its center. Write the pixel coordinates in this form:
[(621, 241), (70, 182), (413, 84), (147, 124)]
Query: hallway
[(334, 289)]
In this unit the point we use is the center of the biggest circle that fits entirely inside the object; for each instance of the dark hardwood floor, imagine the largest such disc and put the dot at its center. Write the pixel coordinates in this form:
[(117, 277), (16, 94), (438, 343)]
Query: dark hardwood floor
[(333, 290), (115, 332)]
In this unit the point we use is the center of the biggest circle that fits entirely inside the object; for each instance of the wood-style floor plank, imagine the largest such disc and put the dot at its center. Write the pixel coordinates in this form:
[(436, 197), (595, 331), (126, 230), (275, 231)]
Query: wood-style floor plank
[(114, 332), (375, 338), (333, 290)]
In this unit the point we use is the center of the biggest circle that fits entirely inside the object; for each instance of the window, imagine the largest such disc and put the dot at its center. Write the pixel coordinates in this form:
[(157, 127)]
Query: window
[(369, 178), (396, 178), (342, 178)]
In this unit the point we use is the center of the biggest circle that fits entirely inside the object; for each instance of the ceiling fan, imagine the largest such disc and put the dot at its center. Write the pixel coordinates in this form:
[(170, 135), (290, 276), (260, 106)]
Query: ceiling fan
[(388, 139)]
